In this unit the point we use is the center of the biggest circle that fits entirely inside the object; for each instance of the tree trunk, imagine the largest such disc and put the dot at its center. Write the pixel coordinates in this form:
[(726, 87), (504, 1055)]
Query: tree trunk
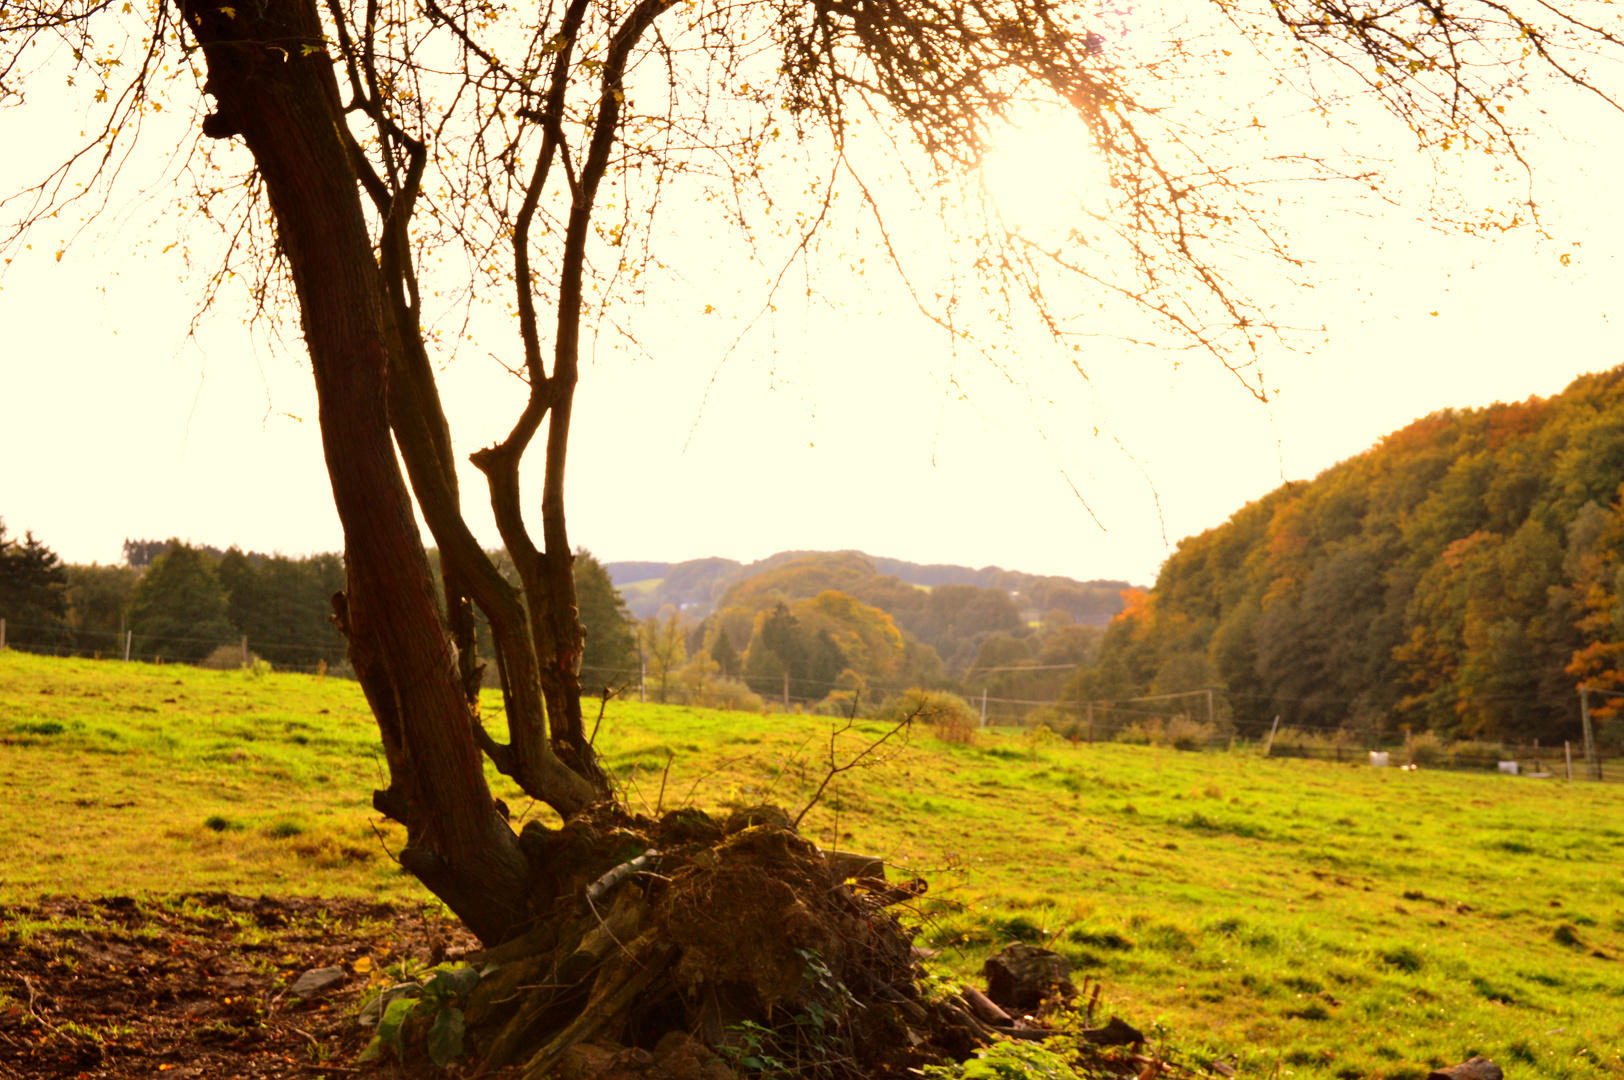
[(273, 81)]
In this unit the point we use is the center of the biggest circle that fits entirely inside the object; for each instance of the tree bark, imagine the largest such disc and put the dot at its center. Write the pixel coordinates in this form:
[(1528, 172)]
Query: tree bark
[(271, 76)]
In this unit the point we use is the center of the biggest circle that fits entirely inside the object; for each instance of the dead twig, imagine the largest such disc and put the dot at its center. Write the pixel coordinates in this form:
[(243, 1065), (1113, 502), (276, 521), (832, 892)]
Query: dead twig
[(659, 802), (836, 769)]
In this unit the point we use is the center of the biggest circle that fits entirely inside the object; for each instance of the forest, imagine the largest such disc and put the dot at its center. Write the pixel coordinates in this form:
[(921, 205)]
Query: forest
[(1463, 576)]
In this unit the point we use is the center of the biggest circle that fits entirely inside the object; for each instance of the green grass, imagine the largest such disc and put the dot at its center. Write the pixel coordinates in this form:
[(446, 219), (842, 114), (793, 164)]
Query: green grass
[(1312, 918)]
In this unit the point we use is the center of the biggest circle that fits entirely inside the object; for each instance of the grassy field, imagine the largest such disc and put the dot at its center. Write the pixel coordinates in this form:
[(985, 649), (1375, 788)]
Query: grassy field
[(1309, 919)]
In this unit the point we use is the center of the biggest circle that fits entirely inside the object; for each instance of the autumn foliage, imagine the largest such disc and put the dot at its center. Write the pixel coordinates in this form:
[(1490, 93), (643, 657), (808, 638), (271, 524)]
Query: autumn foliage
[(1462, 576)]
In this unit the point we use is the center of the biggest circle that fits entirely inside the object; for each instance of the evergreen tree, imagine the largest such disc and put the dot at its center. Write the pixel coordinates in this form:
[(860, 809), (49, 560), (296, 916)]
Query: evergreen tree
[(725, 655), (611, 646), (33, 594), (179, 610)]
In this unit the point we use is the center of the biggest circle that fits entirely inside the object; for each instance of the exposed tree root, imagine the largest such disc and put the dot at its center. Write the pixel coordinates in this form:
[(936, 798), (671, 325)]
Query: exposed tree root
[(668, 948)]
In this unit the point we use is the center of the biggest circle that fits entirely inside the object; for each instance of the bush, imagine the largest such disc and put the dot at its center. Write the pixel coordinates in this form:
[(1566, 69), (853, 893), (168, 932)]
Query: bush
[(841, 703), (1186, 734), (951, 717), (728, 694), (225, 658), (1040, 737), (1426, 749), (1055, 719), (1181, 733), (1482, 754)]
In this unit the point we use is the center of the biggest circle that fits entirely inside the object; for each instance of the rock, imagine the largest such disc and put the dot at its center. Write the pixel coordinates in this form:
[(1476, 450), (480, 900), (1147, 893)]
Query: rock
[(317, 981), (1117, 1032), (583, 1061), (749, 817), (1021, 976), (1478, 1068), (845, 865)]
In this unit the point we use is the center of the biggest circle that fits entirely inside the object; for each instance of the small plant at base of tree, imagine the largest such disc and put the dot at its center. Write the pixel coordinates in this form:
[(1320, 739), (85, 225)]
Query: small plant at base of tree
[(438, 1003)]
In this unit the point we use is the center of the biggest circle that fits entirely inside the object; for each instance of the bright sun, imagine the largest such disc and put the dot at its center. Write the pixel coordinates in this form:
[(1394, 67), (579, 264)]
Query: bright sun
[(1037, 175)]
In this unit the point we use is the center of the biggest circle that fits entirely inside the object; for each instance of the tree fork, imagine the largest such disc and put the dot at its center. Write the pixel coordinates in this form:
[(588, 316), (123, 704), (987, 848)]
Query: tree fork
[(273, 83)]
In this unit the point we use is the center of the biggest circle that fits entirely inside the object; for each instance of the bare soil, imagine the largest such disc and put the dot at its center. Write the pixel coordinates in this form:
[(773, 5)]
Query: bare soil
[(197, 986)]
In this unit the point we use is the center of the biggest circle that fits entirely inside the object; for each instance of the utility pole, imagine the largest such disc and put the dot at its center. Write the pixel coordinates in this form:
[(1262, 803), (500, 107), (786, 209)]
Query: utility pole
[(128, 634), (983, 708), (1590, 739)]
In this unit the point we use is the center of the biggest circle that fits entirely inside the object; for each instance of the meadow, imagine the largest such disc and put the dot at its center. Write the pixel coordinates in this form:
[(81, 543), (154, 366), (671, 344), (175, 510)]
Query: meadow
[(1299, 918)]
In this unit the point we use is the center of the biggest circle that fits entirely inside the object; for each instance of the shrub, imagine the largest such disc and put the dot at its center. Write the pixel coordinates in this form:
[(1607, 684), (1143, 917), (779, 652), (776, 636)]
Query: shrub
[(842, 703), (728, 694), (1055, 719), (1295, 742), (1186, 734), (952, 719), (1181, 733), (1472, 752), (1426, 749), (225, 658)]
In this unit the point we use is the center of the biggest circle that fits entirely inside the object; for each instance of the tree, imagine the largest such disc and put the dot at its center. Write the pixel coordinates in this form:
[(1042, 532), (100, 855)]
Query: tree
[(383, 136), (777, 649), (282, 605), (666, 647), (178, 609), (610, 651), (725, 655), (33, 594), (98, 603)]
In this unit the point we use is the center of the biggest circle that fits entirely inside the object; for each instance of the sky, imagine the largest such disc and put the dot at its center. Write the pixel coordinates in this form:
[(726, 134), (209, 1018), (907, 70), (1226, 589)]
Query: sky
[(844, 422)]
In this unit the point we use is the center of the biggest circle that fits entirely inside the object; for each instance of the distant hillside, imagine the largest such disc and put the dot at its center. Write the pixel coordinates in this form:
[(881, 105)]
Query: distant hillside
[(698, 585), (1463, 576)]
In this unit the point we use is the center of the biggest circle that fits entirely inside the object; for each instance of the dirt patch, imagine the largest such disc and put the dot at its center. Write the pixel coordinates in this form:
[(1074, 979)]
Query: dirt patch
[(197, 985)]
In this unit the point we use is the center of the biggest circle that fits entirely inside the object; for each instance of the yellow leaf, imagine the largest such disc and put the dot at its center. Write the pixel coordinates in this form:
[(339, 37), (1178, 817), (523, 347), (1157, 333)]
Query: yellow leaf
[(364, 964)]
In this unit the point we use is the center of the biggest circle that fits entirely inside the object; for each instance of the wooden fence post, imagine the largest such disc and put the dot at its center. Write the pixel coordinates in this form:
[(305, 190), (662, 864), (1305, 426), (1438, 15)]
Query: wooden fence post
[(1268, 746), (1591, 764), (1567, 752)]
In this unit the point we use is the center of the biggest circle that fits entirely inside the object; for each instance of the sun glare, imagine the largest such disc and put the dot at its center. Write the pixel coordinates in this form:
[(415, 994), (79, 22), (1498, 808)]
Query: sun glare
[(1037, 175)]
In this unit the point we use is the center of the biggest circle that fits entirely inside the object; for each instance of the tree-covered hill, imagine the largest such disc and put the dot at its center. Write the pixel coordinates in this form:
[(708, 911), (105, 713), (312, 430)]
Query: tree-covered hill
[(698, 585), (1462, 576)]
